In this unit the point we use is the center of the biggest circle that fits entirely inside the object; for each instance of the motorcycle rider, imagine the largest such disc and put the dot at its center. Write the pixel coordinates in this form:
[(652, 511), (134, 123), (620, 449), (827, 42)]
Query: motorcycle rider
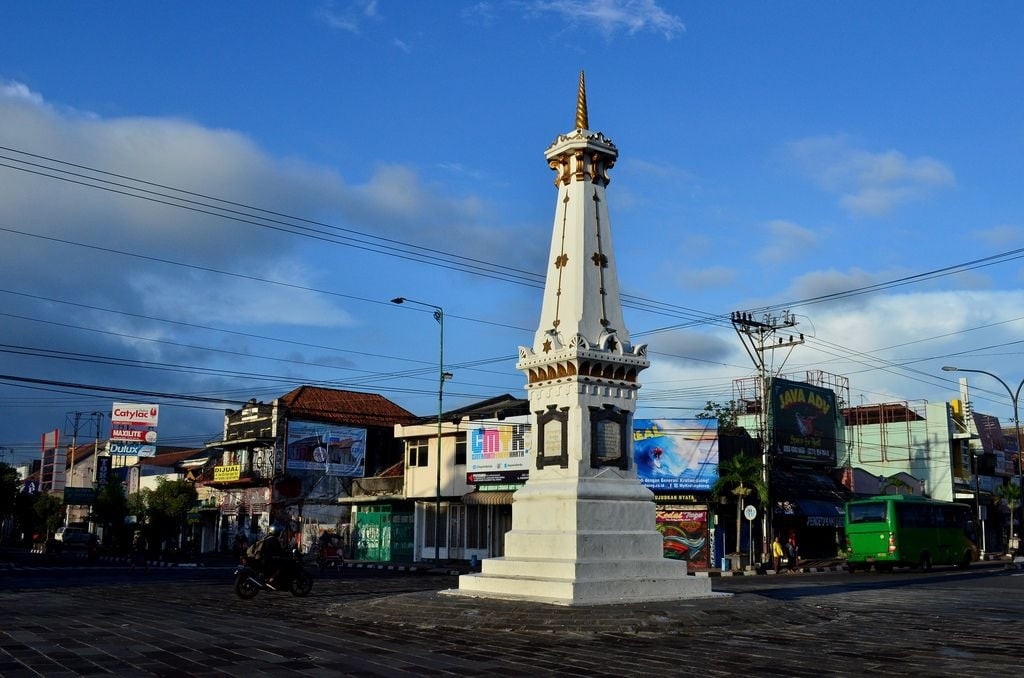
[(269, 554)]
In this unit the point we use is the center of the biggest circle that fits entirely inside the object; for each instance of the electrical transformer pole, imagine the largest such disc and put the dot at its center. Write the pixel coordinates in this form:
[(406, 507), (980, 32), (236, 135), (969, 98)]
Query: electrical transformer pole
[(758, 336)]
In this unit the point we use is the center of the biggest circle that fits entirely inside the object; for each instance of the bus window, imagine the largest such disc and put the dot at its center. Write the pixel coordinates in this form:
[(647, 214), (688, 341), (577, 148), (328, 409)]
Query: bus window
[(867, 513)]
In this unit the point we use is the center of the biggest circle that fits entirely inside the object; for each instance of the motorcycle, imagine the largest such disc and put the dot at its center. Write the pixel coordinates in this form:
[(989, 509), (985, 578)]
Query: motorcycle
[(291, 577)]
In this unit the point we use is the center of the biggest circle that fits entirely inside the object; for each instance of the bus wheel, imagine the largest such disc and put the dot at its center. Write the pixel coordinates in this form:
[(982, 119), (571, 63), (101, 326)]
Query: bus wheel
[(926, 562), (965, 562)]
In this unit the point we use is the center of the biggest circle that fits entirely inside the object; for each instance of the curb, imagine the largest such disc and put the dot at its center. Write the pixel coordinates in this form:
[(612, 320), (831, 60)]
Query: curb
[(761, 573), (392, 567)]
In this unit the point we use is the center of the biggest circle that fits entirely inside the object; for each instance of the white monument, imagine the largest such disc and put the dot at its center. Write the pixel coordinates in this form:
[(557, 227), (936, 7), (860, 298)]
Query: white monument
[(583, 528)]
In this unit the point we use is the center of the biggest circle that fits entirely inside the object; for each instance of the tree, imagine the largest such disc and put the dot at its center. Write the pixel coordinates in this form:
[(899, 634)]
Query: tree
[(1010, 493), (168, 507), (740, 476), (726, 415), (110, 509), (9, 483), (48, 509)]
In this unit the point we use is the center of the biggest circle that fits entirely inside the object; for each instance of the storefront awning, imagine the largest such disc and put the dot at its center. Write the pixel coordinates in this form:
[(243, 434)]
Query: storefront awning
[(478, 498), (821, 513)]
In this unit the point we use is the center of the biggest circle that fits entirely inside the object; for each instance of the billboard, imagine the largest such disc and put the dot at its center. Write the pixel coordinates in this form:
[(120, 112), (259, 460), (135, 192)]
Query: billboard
[(52, 473), (802, 421), (133, 414), (684, 533), (676, 454), (328, 449), (133, 429), (499, 452)]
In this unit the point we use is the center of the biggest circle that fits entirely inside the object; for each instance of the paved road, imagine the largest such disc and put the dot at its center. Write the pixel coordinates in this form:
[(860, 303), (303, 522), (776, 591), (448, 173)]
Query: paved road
[(105, 620)]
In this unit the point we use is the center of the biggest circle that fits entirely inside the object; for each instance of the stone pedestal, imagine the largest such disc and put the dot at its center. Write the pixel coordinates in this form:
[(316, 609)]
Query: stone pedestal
[(585, 541)]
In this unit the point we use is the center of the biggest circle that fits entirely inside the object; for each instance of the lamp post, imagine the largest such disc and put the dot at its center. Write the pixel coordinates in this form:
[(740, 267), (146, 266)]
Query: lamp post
[(1015, 399), (442, 376)]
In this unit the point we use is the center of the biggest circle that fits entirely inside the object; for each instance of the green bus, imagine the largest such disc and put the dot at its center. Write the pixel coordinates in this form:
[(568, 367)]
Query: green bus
[(907, 531)]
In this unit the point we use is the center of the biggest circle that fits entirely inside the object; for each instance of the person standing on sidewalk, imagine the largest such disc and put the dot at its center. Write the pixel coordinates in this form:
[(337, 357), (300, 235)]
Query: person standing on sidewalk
[(792, 553), (777, 554), (139, 551)]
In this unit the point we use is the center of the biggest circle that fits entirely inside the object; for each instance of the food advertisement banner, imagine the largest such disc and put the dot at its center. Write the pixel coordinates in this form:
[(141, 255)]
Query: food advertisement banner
[(685, 534)]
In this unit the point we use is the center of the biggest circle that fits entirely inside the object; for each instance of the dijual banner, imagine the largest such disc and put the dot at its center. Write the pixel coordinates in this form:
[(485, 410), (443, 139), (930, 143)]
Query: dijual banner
[(676, 454)]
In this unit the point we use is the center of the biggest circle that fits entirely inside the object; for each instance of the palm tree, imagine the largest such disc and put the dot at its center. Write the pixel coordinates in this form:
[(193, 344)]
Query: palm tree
[(741, 476)]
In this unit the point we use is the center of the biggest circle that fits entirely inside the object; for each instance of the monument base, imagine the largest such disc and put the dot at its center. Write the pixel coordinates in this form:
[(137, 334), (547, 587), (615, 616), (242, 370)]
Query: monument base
[(591, 583), (583, 541)]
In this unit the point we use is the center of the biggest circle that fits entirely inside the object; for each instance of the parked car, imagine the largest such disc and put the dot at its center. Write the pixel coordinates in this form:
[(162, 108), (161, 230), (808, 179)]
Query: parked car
[(69, 535)]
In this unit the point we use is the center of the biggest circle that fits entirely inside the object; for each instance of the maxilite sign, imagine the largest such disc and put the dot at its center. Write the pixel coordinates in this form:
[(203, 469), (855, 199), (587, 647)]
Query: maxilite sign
[(133, 435)]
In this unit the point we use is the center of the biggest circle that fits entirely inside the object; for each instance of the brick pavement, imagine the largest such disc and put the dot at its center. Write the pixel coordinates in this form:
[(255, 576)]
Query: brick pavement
[(399, 624)]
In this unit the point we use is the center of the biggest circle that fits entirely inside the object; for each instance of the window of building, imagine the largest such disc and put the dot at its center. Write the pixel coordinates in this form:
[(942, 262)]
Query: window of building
[(419, 451), (460, 449)]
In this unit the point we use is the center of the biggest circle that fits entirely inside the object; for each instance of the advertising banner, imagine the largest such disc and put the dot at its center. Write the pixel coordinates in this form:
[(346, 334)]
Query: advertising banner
[(676, 454), (685, 533), (499, 452), (133, 430), (802, 419), (227, 473), (102, 470), (132, 414), (329, 449), (131, 449)]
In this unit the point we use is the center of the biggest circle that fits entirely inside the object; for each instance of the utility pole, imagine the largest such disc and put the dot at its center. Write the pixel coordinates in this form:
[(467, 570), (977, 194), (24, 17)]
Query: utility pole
[(76, 424), (760, 335)]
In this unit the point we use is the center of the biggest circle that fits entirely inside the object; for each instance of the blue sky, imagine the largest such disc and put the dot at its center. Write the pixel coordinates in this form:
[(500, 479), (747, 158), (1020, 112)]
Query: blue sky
[(770, 154)]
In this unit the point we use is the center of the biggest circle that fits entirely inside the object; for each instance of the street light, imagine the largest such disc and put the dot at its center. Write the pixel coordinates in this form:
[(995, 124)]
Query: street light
[(442, 376), (1015, 399)]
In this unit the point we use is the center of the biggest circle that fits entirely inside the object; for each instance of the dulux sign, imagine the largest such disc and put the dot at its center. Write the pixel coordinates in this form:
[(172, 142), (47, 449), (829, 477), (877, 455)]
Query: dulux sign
[(131, 449)]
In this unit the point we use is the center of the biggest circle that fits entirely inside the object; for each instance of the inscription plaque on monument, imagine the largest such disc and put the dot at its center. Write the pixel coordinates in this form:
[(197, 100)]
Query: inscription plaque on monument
[(552, 439)]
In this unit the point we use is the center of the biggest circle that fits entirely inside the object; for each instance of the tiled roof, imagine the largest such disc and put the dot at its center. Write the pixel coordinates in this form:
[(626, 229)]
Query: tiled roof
[(351, 408), (169, 456)]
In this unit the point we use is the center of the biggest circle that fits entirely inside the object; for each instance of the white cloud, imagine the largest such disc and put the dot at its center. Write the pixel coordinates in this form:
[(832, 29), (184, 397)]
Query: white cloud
[(613, 16), (1005, 235), (52, 215), (17, 90), (706, 278), (788, 242), (348, 18), (867, 183)]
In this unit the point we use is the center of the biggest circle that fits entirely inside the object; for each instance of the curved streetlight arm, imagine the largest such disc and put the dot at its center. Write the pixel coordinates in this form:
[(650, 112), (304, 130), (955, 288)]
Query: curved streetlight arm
[(1015, 400), (1014, 396)]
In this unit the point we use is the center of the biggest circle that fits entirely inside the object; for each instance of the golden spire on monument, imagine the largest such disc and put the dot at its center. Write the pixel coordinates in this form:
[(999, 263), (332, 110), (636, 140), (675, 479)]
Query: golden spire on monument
[(581, 105)]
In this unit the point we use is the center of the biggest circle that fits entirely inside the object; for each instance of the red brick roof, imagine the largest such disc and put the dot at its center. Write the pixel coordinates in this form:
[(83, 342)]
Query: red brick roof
[(350, 408)]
